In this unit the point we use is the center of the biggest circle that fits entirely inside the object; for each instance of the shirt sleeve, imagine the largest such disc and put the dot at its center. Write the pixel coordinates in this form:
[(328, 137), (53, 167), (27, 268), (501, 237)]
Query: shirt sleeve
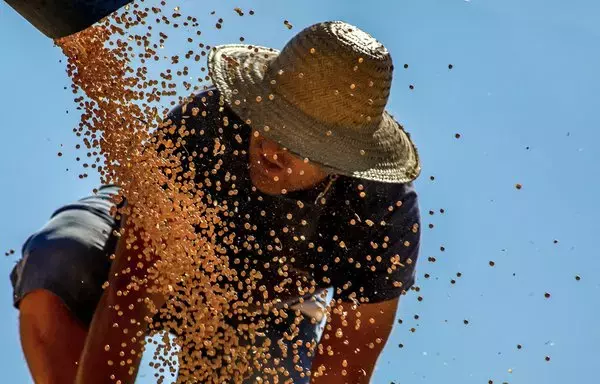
[(376, 259)]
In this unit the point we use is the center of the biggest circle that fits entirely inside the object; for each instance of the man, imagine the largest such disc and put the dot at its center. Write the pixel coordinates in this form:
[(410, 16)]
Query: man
[(321, 179)]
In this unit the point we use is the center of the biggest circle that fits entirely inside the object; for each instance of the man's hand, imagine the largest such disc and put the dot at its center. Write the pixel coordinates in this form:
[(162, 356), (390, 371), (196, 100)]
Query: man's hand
[(352, 342)]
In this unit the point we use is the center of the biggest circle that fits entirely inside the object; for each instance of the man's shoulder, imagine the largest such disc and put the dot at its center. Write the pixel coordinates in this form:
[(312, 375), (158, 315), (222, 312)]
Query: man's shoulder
[(209, 97), (197, 105), (377, 197), (204, 114), (361, 206)]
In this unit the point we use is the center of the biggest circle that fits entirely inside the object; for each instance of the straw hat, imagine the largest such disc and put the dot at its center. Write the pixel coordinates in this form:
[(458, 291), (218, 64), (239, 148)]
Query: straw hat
[(323, 97)]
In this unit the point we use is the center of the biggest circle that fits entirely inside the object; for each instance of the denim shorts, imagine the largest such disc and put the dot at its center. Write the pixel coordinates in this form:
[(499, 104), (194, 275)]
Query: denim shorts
[(70, 257)]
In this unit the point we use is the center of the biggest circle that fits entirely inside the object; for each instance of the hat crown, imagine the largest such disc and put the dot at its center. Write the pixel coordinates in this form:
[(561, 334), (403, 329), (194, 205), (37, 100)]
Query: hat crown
[(335, 73)]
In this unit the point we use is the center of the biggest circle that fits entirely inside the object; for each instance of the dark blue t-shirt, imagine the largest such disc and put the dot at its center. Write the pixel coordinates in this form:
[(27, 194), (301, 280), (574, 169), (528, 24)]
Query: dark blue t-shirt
[(361, 237)]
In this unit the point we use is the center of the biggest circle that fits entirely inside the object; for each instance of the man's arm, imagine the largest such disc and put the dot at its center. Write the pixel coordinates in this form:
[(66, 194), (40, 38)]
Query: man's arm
[(352, 342), (113, 345)]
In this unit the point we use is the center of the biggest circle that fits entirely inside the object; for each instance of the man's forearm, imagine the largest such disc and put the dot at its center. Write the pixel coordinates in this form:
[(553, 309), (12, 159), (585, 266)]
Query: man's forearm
[(334, 374), (113, 347), (352, 342), (331, 366)]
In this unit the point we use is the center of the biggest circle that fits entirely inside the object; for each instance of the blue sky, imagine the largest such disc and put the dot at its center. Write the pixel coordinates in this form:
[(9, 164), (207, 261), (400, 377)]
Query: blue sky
[(524, 76)]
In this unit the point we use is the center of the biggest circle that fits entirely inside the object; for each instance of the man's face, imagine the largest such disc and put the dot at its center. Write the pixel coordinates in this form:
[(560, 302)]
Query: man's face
[(273, 168)]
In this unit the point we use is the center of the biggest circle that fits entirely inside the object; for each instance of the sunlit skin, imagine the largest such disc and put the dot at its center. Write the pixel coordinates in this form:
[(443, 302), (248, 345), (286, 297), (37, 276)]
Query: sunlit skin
[(274, 169)]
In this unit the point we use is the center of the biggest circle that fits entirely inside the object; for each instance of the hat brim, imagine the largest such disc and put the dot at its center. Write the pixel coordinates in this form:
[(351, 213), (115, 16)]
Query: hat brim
[(388, 155)]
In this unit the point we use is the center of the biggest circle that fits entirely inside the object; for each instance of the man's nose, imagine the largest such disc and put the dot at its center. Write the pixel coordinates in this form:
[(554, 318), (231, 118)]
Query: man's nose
[(273, 151)]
